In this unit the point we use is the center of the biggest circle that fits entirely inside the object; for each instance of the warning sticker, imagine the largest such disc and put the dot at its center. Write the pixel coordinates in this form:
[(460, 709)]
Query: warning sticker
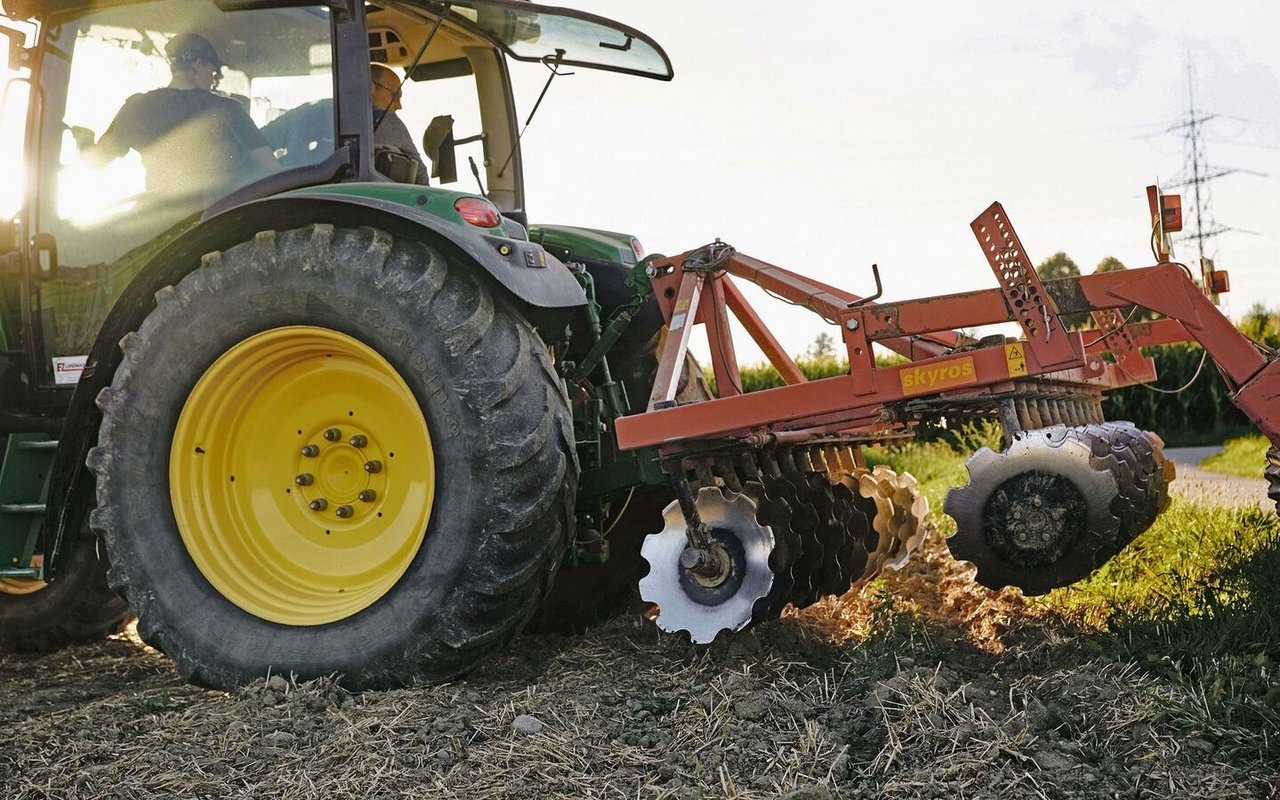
[(67, 369), (938, 376), (1015, 355)]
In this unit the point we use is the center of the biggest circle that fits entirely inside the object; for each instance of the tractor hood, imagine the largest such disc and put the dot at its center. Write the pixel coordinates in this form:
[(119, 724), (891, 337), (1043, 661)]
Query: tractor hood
[(525, 31)]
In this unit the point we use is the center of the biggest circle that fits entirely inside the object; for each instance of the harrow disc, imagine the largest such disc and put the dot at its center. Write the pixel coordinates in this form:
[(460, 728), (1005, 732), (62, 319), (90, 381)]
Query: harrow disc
[(829, 536), (809, 552), (775, 513), (1036, 516), (854, 554), (899, 517), (704, 606)]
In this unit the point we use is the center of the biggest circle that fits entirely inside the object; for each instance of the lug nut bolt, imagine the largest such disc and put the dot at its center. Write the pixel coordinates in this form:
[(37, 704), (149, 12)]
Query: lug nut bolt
[(368, 496), (344, 512), (358, 441), (332, 435), (319, 504), (373, 466), (305, 479), (311, 451)]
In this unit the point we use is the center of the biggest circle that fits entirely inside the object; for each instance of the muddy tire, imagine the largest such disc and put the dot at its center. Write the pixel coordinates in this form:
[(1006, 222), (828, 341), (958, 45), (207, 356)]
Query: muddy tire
[(330, 451), (76, 608)]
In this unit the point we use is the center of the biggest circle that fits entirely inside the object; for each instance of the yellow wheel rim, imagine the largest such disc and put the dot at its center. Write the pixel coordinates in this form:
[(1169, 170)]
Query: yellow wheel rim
[(20, 586), (302, 475)]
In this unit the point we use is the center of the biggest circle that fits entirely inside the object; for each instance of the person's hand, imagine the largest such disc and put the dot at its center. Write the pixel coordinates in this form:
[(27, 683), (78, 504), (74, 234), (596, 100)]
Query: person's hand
[(84, 137)]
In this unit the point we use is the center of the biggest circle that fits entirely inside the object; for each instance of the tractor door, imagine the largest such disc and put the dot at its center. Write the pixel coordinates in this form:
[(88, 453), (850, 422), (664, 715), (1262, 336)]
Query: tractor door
[(129, 148)]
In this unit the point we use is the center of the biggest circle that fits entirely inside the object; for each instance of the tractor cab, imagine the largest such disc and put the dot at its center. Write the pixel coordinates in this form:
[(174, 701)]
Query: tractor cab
[(146, 118)]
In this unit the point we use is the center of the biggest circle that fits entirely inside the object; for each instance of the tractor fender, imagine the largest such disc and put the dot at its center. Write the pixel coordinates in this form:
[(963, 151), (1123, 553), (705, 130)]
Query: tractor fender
[(539, 285)]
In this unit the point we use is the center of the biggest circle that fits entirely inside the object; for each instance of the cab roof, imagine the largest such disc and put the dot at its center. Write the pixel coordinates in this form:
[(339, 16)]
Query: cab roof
[(525, 31)]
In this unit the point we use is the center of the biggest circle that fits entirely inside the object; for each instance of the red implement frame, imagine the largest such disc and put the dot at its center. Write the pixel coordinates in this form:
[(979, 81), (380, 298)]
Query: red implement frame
[(698, 287)]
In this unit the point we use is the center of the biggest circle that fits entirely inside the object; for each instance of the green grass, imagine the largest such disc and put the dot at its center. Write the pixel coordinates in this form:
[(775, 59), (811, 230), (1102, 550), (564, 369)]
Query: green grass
[(1194, 600), (1245, 456)]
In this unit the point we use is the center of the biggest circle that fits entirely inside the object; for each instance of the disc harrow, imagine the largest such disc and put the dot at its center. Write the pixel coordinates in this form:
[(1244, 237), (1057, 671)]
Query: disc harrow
[(1064, 493), (824, 536)]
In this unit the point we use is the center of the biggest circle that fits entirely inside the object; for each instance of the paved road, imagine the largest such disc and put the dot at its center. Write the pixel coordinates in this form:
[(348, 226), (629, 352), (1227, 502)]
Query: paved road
[(1210, 487)]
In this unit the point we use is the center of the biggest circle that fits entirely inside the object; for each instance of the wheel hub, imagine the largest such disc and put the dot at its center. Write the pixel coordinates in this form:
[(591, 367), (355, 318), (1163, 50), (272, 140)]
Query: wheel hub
[(342, 477), (1033, 518)]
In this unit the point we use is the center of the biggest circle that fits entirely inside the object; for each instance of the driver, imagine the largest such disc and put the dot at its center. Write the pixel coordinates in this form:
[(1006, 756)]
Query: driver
[(388, 129), (191, 140)]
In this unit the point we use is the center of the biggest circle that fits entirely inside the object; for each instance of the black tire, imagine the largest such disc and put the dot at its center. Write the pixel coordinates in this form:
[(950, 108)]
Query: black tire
[(76, 608), (590, 594), (499, 426)]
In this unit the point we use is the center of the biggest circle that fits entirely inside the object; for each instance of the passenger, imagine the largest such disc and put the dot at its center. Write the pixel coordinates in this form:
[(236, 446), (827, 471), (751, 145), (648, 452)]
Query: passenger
[(192, 141), (388, 129)]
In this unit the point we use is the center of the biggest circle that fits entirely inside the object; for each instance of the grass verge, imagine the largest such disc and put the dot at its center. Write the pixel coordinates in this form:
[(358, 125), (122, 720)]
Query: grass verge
[(1245, 456)]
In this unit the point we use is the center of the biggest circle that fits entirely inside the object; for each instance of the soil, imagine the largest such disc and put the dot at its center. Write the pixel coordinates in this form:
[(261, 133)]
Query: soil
[(974, 694)]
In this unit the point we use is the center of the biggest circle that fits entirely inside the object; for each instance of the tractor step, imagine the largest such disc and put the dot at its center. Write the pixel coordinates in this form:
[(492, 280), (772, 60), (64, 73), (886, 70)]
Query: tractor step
[(22, 508), (39, 444), (24, 488)]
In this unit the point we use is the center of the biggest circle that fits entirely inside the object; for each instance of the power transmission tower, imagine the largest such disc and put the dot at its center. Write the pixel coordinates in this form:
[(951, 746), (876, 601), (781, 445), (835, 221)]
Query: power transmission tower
[(1198, 173)]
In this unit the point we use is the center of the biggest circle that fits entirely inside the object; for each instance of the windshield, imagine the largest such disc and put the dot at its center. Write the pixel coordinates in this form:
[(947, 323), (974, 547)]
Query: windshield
[(534, 33), (150, 113), (163, 104)]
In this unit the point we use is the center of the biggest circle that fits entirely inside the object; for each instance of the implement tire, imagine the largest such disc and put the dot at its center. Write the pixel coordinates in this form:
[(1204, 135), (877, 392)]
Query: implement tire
[(330, 451), (76, 608)]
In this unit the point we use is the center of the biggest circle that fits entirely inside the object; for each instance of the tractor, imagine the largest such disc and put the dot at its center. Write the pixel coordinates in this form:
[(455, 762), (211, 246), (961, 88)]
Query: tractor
[(314, 416), (307, 405)]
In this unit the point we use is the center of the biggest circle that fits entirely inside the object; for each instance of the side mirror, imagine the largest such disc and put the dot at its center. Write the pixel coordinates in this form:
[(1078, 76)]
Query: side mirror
[(16, 43), (438, 145)]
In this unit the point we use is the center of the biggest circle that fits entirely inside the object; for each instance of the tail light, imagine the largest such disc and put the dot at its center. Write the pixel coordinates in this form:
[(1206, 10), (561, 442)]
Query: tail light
[(478, 211)]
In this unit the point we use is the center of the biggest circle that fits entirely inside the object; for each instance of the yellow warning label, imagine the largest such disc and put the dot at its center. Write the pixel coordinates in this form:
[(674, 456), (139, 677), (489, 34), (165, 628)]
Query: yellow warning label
[(1015, 356), (938, 376)]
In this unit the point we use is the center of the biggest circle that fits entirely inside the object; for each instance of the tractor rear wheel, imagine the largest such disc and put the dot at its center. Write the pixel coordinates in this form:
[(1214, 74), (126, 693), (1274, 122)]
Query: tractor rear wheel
[(330, 451), (75, 608)]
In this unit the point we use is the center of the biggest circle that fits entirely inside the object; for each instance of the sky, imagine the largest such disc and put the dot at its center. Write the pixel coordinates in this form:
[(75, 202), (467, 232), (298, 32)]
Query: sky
[(837, 136), (825, 137)]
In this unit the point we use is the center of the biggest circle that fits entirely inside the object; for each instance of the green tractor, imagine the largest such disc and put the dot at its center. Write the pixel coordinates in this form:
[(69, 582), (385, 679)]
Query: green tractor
[(304, 408)]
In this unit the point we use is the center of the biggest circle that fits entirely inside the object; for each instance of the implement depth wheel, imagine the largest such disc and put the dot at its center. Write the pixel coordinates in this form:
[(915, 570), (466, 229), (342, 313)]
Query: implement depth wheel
[(328, 451), (76, 608)]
